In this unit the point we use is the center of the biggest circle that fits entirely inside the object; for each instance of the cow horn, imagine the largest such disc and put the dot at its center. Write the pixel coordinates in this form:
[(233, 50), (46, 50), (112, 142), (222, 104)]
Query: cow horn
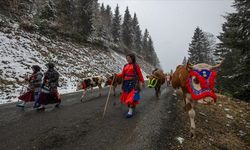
[(189, 65), (218, 65)]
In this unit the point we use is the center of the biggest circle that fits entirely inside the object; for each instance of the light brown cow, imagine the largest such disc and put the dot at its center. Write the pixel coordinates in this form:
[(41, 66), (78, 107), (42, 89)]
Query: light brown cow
[(196, 85)]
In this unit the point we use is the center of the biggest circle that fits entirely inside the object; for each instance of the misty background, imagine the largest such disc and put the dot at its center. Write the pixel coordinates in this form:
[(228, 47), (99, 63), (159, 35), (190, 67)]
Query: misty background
[(171, 23)]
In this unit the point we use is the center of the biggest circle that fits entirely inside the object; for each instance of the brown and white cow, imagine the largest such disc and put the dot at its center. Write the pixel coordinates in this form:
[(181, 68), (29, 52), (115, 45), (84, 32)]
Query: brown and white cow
[(90, 82), (196, 83), (160, 77), (117, 81)]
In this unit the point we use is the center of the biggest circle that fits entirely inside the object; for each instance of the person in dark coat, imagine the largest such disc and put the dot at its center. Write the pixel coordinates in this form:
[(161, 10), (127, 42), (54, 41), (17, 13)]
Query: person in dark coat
[(49, 92)]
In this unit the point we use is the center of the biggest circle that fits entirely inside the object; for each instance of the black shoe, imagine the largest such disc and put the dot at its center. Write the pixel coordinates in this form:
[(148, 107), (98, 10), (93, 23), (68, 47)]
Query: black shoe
[(20, 105), (129, 115), (36, 106), (40, 109), (57, 106)]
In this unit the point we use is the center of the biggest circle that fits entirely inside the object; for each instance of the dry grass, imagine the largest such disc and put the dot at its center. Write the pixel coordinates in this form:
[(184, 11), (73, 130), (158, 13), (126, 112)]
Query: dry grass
[(223, 125)]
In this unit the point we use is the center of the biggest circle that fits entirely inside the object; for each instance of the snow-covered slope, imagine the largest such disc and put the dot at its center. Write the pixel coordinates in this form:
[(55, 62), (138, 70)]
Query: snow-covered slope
[(20, 50)]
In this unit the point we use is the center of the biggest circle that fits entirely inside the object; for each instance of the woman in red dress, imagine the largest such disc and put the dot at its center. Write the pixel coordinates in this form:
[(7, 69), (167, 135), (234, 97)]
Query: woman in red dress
[(35, 83), (132, 76)]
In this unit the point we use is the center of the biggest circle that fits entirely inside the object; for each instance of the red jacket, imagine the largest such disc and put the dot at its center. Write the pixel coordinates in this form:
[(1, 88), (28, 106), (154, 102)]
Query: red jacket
[(128, 72)]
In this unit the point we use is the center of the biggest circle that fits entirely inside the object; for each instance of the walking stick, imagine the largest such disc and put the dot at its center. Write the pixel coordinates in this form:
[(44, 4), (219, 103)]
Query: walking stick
[(105, 108)]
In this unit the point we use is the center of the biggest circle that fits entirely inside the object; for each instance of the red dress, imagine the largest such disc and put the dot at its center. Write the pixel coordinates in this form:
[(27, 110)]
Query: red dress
[(29, 95), (129, 75)]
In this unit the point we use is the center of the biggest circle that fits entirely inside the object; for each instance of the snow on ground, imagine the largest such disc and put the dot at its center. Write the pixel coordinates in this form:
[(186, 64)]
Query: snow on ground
[(20, 50)]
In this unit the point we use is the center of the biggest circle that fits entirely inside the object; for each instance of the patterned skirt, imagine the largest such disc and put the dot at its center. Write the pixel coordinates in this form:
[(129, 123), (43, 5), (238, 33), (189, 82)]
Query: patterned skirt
[(130, 95), (49, 96)]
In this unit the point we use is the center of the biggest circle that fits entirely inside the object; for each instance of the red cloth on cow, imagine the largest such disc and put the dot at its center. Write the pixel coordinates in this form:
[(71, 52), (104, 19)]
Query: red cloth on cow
[(207, 84), (27, 97)]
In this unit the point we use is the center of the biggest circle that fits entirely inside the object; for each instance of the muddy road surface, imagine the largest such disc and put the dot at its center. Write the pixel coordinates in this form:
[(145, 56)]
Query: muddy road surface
[(79, 125)]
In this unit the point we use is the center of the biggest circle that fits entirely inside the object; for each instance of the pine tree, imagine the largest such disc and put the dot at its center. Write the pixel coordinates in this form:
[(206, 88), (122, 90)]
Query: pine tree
[(127, 36), (108, 16), (137, 37), (235, 45), (145, 43), (116, 26), (199, 47), (184, 62), (49, 11), (150, 51), (211, 48), (65, 16), (83, 19), (102, 25), (102, 11), (151, 54)]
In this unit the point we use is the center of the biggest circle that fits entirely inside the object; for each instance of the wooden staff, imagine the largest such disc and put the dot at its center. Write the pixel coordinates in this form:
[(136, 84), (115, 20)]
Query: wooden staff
[(105, 108)]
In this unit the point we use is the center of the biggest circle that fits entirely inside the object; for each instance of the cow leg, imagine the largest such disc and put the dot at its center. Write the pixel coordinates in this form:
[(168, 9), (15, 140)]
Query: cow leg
[(100, 90), (157, 92), (114, 91), (191, 114), (91, 90), (114, 103), (83, 95), (160, 90)]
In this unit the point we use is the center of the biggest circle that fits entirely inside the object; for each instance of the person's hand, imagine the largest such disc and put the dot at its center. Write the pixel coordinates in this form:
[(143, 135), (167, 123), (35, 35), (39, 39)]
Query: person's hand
[(26, 77)]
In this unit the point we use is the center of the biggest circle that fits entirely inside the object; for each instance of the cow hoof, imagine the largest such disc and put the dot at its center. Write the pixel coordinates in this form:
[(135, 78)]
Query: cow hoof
[(114, 103), (192, 134)]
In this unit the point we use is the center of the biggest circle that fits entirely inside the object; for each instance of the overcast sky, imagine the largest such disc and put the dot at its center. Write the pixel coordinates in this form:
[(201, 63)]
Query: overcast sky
[(171, 23)]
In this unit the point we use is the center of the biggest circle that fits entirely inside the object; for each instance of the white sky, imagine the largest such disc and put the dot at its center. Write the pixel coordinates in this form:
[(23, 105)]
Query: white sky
[(171, 23)]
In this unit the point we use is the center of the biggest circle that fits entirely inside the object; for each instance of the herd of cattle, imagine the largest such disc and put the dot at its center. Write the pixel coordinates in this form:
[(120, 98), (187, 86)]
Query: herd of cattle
[(194, 84)]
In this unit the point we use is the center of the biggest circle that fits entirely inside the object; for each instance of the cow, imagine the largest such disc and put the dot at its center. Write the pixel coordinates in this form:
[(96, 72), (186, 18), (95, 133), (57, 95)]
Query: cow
[(117, 81), (168, 78), (90, 82), (196, 83), (159, 77)]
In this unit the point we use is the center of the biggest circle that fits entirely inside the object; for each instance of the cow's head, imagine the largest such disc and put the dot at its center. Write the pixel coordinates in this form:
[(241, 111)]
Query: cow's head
[(200, 82), (79, 86), (150, 77), (83, 84), (109, 80)]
